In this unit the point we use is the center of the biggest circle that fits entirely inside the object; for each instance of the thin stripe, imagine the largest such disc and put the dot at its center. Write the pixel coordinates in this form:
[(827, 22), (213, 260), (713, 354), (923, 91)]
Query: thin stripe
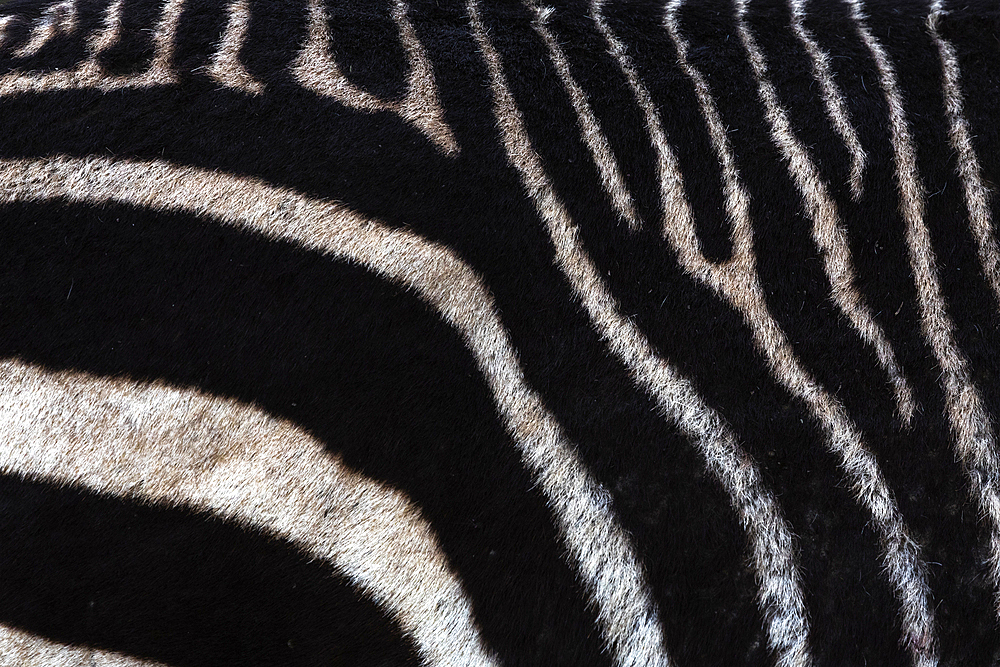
[(19, 648), (590, 129), (226, 67), (827, 230), (597, 546), (633, 634), (161, 70), (833, 98), (110, 32), (317, 69), (173, 446), (674, 394), (780, 596), (738, 281), (57, 19), (971, 425), (89, 73), (977, 195)]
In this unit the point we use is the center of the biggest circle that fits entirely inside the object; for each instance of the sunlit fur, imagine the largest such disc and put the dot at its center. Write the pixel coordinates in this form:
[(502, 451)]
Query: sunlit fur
[(509, 333)]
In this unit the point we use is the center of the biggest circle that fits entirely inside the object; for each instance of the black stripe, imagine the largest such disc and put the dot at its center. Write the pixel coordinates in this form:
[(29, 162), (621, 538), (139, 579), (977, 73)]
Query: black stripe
[(178, 587)]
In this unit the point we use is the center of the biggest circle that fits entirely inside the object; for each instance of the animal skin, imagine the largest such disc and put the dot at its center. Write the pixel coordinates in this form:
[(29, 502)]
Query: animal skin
[(498, 333)]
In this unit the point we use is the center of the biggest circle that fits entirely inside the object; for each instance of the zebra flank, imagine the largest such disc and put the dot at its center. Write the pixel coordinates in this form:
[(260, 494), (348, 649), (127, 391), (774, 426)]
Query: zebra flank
[(464, 333)]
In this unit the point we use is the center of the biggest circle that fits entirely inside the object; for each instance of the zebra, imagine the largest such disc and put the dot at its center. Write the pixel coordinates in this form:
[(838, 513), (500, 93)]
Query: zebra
[(509, 333)]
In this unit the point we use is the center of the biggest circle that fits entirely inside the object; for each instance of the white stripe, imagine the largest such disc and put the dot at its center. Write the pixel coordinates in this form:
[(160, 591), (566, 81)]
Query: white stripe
[(89, 73), (590, 127), (598, 547), (110, 32), (57, 19), (738, 281), (19, 648), (151, 442), (674, 394), (827, 231), (833, 99), (780, 596), (969, 421), (161, 70), (226, 67), (317, 69), (977, 195)]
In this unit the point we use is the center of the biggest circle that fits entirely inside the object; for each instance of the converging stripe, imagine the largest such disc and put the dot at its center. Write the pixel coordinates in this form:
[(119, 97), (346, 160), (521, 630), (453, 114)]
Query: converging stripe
[(317, 69), (590, 128), (780, 595), (739, 282), (828, 232), (89, 73), (675, 395)]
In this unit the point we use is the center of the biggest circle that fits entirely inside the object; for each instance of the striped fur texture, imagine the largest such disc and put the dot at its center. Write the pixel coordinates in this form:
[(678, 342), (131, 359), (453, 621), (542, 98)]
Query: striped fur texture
[(465, 333)]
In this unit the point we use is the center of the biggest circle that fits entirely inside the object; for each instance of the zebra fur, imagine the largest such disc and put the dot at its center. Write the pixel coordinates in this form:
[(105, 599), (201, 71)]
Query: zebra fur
[(509, 333)]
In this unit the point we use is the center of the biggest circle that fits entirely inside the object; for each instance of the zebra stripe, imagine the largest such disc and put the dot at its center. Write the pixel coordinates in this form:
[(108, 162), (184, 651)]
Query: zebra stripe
[(590, 129), (241, 464), (771, 540), (5, 23), (833, 98), (380, 210), (602, 554), (317, 70), (57, 19), (89, 73), (977, 196), (18, 648), (226, 67), (975, 443), (737, 281), (827, 231), (906, 568)]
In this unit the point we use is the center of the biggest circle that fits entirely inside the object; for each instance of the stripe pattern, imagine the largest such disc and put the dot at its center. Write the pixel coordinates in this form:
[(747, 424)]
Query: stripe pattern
[(576, 333)]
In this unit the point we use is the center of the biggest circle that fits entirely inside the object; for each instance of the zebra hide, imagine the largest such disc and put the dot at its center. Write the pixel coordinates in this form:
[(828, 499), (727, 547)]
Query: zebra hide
[(496, 333)]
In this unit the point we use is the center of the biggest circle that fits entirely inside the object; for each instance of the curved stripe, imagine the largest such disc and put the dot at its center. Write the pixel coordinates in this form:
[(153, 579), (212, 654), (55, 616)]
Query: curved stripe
[(738, 280), (174, 446), (828, 232), (590, 128), (833, 99), (57, 19), (317, 69), (19, 648), (977, 195), (597, 545), (226, 67), (780, 597), (970, 423)]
